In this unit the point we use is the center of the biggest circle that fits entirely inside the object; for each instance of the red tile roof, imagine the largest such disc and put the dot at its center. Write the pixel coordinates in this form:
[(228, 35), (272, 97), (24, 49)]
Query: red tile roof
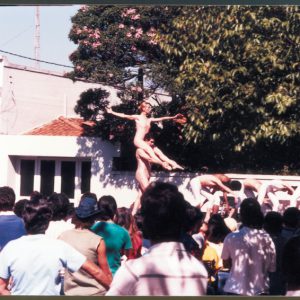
[(62, 127)]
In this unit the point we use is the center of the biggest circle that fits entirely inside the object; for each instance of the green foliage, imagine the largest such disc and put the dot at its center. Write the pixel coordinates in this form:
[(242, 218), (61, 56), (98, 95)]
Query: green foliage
[(239, 68), (233, 71)]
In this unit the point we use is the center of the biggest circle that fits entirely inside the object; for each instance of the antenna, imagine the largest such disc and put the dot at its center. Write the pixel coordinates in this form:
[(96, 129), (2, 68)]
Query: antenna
[(37, 37)]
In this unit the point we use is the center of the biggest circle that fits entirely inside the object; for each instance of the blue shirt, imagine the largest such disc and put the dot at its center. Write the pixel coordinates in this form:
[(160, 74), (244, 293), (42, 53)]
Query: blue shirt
[(11, 228)]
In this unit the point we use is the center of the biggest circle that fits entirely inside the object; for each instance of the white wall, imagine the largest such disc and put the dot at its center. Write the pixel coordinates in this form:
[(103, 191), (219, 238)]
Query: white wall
[(104, 181), (32, 97)]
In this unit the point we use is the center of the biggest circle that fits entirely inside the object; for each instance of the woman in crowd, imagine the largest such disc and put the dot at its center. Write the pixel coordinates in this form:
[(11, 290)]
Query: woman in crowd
[(89, 244), (125, 219), (116, 238)]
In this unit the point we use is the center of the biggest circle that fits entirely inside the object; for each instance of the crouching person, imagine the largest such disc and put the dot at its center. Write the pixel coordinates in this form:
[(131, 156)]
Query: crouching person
[(31, 264), (167, 269)]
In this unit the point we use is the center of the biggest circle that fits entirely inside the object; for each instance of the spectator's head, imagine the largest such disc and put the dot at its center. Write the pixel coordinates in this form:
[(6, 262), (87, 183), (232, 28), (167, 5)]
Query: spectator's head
[(107, 206), (59, 204), (36, 196), (85, 213), (251, 214), (36, 216), (123, 217), (19, 207), (89, 195), (193, 219), (163, 210), (291, 263), (7, 198), (291, 217), (273, 222), (217, 229)]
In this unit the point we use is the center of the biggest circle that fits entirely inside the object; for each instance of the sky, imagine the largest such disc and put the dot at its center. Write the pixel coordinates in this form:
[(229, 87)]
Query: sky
[(17, 31)]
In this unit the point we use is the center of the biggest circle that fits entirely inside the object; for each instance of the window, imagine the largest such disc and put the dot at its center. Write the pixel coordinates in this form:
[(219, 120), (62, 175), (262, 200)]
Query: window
[(85, 176), (47, 177), (68, 178), (27, 177)]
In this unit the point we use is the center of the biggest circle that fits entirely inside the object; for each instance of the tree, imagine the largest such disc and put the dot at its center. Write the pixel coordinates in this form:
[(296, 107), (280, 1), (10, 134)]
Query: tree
[(239, 68), (117, 46)]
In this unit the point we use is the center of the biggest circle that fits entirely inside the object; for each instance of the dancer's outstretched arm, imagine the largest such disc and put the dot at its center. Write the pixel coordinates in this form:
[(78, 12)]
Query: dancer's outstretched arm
[(166, 118), (121, 115), (143, 154)]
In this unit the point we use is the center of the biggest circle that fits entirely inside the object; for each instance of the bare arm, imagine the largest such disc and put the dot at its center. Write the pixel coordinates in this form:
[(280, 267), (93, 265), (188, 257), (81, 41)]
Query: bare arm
[(102, 259), (4, 287), (222, 187), (166, 118), (97, 273), (121, 115)]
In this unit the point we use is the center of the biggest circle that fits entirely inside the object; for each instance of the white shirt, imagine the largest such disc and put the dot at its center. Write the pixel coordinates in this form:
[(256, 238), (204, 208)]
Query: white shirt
[(34, 262), (166, 270), (56, 228), (253, 255)]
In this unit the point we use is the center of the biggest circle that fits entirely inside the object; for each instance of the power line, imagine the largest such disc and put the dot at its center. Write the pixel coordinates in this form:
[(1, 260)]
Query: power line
[(38, 60), (17, 35)]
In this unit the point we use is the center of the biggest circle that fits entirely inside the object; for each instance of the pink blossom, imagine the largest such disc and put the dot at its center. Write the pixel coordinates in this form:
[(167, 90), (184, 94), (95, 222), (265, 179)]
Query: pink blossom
[(128, 34), (78, 31), (96, 44), (79, 68), (131, 11), (137, 35), (135, 17), (84, 8), (139, 30), (151, 34), (132, 28), (152, 42), (110, 75), (133, 48), (121, 25)]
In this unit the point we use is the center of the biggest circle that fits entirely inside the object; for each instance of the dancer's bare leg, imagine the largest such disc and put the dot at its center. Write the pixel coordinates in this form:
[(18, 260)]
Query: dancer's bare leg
[(164, 158), (150, 151), (143, 182)]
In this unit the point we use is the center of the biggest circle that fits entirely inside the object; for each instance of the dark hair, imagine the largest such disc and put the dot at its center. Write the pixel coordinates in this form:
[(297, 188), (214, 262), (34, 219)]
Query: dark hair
[(85, 223), (123, 217), (36, 216), (273, 222), (291, 262), (36, 196), (149, 136), (217, 229), (19, 207), (193, 216), (291, 217), (7, 198), (59, 204), (235, 185), (251, 214), (163, 210), (108, 207), (88, 195)]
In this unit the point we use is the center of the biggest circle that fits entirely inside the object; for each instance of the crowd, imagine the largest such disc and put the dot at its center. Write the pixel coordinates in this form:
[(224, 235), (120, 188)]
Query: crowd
[(169, 247)]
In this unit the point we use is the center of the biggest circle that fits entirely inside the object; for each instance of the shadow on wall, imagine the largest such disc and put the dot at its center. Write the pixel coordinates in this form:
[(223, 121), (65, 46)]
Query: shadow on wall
[(101, 154)]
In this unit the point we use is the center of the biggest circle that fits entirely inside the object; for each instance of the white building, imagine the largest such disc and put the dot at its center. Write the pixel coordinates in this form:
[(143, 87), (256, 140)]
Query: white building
[(42, 147)]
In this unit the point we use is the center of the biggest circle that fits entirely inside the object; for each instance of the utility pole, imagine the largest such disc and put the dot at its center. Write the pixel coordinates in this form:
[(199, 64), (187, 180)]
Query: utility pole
[(37, 37)]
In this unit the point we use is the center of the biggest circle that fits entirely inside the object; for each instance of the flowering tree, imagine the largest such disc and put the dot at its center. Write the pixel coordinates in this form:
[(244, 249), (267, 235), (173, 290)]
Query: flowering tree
[(118, 46)]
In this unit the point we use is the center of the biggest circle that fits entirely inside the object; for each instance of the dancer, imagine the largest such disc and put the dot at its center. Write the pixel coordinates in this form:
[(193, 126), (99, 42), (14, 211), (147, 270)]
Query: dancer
[(143, 123), (143, 171), (269, 190), (202, 187)]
